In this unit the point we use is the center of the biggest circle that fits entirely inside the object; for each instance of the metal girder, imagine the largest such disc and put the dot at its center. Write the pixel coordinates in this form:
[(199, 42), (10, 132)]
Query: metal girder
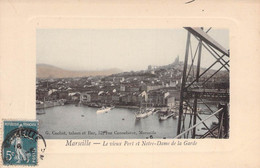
[(194, 126), (198, 32), (209, 94)]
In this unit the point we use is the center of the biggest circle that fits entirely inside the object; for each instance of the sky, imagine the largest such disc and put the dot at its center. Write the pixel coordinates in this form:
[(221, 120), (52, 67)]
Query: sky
[(125, 49)]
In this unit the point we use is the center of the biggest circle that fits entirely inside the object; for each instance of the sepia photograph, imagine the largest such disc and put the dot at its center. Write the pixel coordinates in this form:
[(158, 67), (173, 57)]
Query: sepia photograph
[(133, 83)]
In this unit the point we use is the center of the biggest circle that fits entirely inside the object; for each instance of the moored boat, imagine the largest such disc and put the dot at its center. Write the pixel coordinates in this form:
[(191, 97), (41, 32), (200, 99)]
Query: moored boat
[(94, 105), (103, 109), (149, 112), (47, 104), (188, 110), (166, 116), (140, 115), (143, 113), (40, 112)]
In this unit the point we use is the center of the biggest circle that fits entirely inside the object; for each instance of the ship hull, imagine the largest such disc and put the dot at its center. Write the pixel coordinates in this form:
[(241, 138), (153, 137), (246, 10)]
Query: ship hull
[(103, 110)]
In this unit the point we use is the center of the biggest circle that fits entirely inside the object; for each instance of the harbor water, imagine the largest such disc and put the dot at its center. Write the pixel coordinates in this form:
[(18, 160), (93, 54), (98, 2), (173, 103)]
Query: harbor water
[(82, 122)]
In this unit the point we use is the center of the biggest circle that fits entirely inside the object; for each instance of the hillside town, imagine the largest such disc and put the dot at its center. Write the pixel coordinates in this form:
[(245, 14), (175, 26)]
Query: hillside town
[(157, 86)]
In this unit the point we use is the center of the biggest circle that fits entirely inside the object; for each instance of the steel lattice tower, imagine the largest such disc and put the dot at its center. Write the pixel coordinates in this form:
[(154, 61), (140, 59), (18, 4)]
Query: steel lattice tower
[(194, 87)]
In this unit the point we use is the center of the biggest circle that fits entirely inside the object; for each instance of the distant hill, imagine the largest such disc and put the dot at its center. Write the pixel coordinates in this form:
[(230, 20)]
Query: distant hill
[(49, 71)]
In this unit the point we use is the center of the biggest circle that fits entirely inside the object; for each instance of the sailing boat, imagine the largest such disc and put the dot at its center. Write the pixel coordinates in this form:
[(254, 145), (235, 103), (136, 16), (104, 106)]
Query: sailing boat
[(149, 110), (143, 113)]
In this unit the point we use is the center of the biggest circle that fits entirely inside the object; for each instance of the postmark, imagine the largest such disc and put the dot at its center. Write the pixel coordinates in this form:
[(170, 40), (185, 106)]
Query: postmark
[(20, 143)]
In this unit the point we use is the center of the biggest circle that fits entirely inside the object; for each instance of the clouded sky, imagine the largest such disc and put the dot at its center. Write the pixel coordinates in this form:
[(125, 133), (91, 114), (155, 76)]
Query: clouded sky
[(126, 49)]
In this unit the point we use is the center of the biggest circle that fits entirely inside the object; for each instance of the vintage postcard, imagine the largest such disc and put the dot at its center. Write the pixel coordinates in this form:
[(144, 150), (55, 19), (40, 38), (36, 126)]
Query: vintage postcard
[(87, 84)]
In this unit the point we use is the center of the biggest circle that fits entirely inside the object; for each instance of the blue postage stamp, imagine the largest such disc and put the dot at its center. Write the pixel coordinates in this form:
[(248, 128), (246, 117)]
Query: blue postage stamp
[(20, 142)]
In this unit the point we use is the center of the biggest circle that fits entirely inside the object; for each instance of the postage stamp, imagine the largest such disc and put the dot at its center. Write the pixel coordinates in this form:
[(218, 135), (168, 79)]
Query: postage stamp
[(20, 139)]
